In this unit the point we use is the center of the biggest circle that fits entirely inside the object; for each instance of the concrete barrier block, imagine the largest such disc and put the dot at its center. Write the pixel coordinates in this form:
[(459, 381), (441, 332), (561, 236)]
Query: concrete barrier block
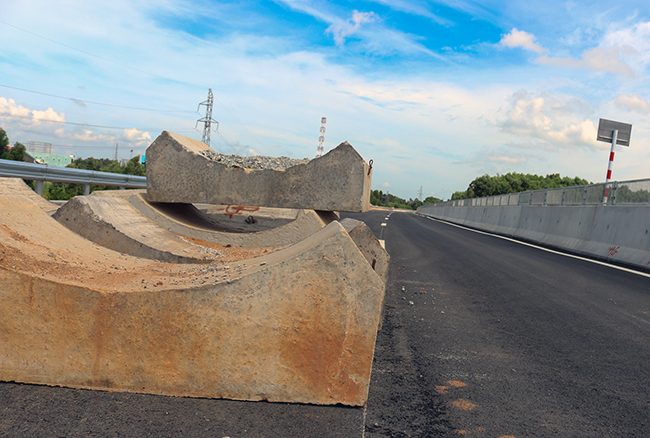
[(115, 224), (16, 186), (178, 233), (369, 246), (297, 325), (179, 170)]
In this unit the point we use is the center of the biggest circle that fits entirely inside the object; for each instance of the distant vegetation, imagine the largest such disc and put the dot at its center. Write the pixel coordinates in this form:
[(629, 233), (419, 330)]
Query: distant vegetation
[(7, 152), (381, 199), (64, 191), (513, 182)]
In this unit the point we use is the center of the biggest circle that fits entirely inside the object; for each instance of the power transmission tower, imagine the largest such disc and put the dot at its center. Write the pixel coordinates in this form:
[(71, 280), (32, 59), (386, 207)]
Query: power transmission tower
[(116, 147), (207, 120), (321, 138), (420, 193)]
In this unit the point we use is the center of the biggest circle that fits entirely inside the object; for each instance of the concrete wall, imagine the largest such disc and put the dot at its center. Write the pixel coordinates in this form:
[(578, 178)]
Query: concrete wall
[(606, 232)]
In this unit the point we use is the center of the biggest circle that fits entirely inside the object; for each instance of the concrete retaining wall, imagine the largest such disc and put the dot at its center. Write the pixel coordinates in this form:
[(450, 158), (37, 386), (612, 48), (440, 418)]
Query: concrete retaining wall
[(612, 233)]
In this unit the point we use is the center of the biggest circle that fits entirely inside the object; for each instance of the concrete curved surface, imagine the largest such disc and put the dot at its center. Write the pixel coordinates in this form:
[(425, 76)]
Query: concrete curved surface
[(174, 217), (171, 232), (114, 223), (10, 186), (296, 325)]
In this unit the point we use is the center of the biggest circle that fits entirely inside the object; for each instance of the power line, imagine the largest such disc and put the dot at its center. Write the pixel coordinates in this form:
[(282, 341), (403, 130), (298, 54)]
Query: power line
[(75, 100), (131, 68), (240, 123), (86, 124), (82, 51)]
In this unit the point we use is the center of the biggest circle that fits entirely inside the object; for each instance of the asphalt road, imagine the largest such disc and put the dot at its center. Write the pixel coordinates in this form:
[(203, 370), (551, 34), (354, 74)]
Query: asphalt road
[(482, 337)]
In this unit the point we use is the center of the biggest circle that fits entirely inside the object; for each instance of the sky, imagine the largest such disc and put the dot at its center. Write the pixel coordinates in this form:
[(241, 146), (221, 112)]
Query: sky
[(435, 92)]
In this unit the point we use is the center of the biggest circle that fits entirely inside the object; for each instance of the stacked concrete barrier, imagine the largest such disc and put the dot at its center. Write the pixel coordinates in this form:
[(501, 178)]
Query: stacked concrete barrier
[(128, 294), (180, 169), (605, 232)]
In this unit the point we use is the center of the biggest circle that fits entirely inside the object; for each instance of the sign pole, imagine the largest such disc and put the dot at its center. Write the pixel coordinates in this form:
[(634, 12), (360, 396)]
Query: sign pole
[(610, 166), (614, 132)]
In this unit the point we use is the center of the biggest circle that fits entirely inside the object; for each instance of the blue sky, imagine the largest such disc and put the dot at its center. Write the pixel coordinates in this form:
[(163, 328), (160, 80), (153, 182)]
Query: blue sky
[(434, 92)]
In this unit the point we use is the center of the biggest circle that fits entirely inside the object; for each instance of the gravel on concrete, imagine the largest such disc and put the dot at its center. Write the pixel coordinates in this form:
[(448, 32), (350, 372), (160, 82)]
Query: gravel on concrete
[(254, 162)]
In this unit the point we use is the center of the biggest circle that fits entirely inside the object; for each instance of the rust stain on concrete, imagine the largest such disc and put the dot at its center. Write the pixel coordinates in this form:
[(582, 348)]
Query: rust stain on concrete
[(232, 210), (463, 404)]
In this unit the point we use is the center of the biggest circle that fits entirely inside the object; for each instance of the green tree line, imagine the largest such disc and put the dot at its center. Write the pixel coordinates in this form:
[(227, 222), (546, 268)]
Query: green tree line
[(64, 191), (7, 152), (513, 182), (381, 199)]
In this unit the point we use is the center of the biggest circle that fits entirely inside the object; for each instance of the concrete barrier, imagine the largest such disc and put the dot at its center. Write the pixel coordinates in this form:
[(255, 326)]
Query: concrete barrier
[(189, 221), (369, 246), (179, 170), (115, 224), (12, 186), (606, 232), (296, 325), (186, 222)]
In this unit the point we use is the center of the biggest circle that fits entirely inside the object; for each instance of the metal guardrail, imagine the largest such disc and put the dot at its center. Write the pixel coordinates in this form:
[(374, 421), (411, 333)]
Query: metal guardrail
[(634, 192), (42, 172)]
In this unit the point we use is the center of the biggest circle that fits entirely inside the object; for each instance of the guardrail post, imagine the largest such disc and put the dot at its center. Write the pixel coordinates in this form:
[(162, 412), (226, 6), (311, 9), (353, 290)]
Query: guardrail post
[(86, 189), (545, 196), (38, 184), (584, 196), (614, 190), (563, 200)]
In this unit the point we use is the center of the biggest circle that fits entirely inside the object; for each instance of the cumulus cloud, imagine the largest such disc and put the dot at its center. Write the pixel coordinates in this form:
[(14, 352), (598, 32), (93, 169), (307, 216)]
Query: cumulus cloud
[(595, 60), (19, 117), (633, 103), (519, 38), (386, 184), (549, 118), (136, 137), (507, 159), (26, 123), (633, 44), (343, 29)]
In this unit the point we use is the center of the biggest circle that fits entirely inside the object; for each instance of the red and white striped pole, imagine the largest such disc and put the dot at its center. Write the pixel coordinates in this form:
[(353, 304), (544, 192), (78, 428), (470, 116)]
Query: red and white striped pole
[(610, 166)]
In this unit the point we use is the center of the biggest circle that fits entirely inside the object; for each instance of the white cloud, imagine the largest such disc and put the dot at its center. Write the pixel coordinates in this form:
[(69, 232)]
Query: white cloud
[(633, 103), (386, 184), (633, 44), (507, 159), (14, 116), (519, 38), (549, 118), (31, 124), (622, 51), (414, 8), (136, 137), (343, 29), (595, 60)]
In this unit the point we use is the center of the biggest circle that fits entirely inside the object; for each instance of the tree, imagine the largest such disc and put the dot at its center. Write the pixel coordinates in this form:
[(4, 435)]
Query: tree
[(513, 182), (431, 200), (64, 191), (4, 142), (9, 153)]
